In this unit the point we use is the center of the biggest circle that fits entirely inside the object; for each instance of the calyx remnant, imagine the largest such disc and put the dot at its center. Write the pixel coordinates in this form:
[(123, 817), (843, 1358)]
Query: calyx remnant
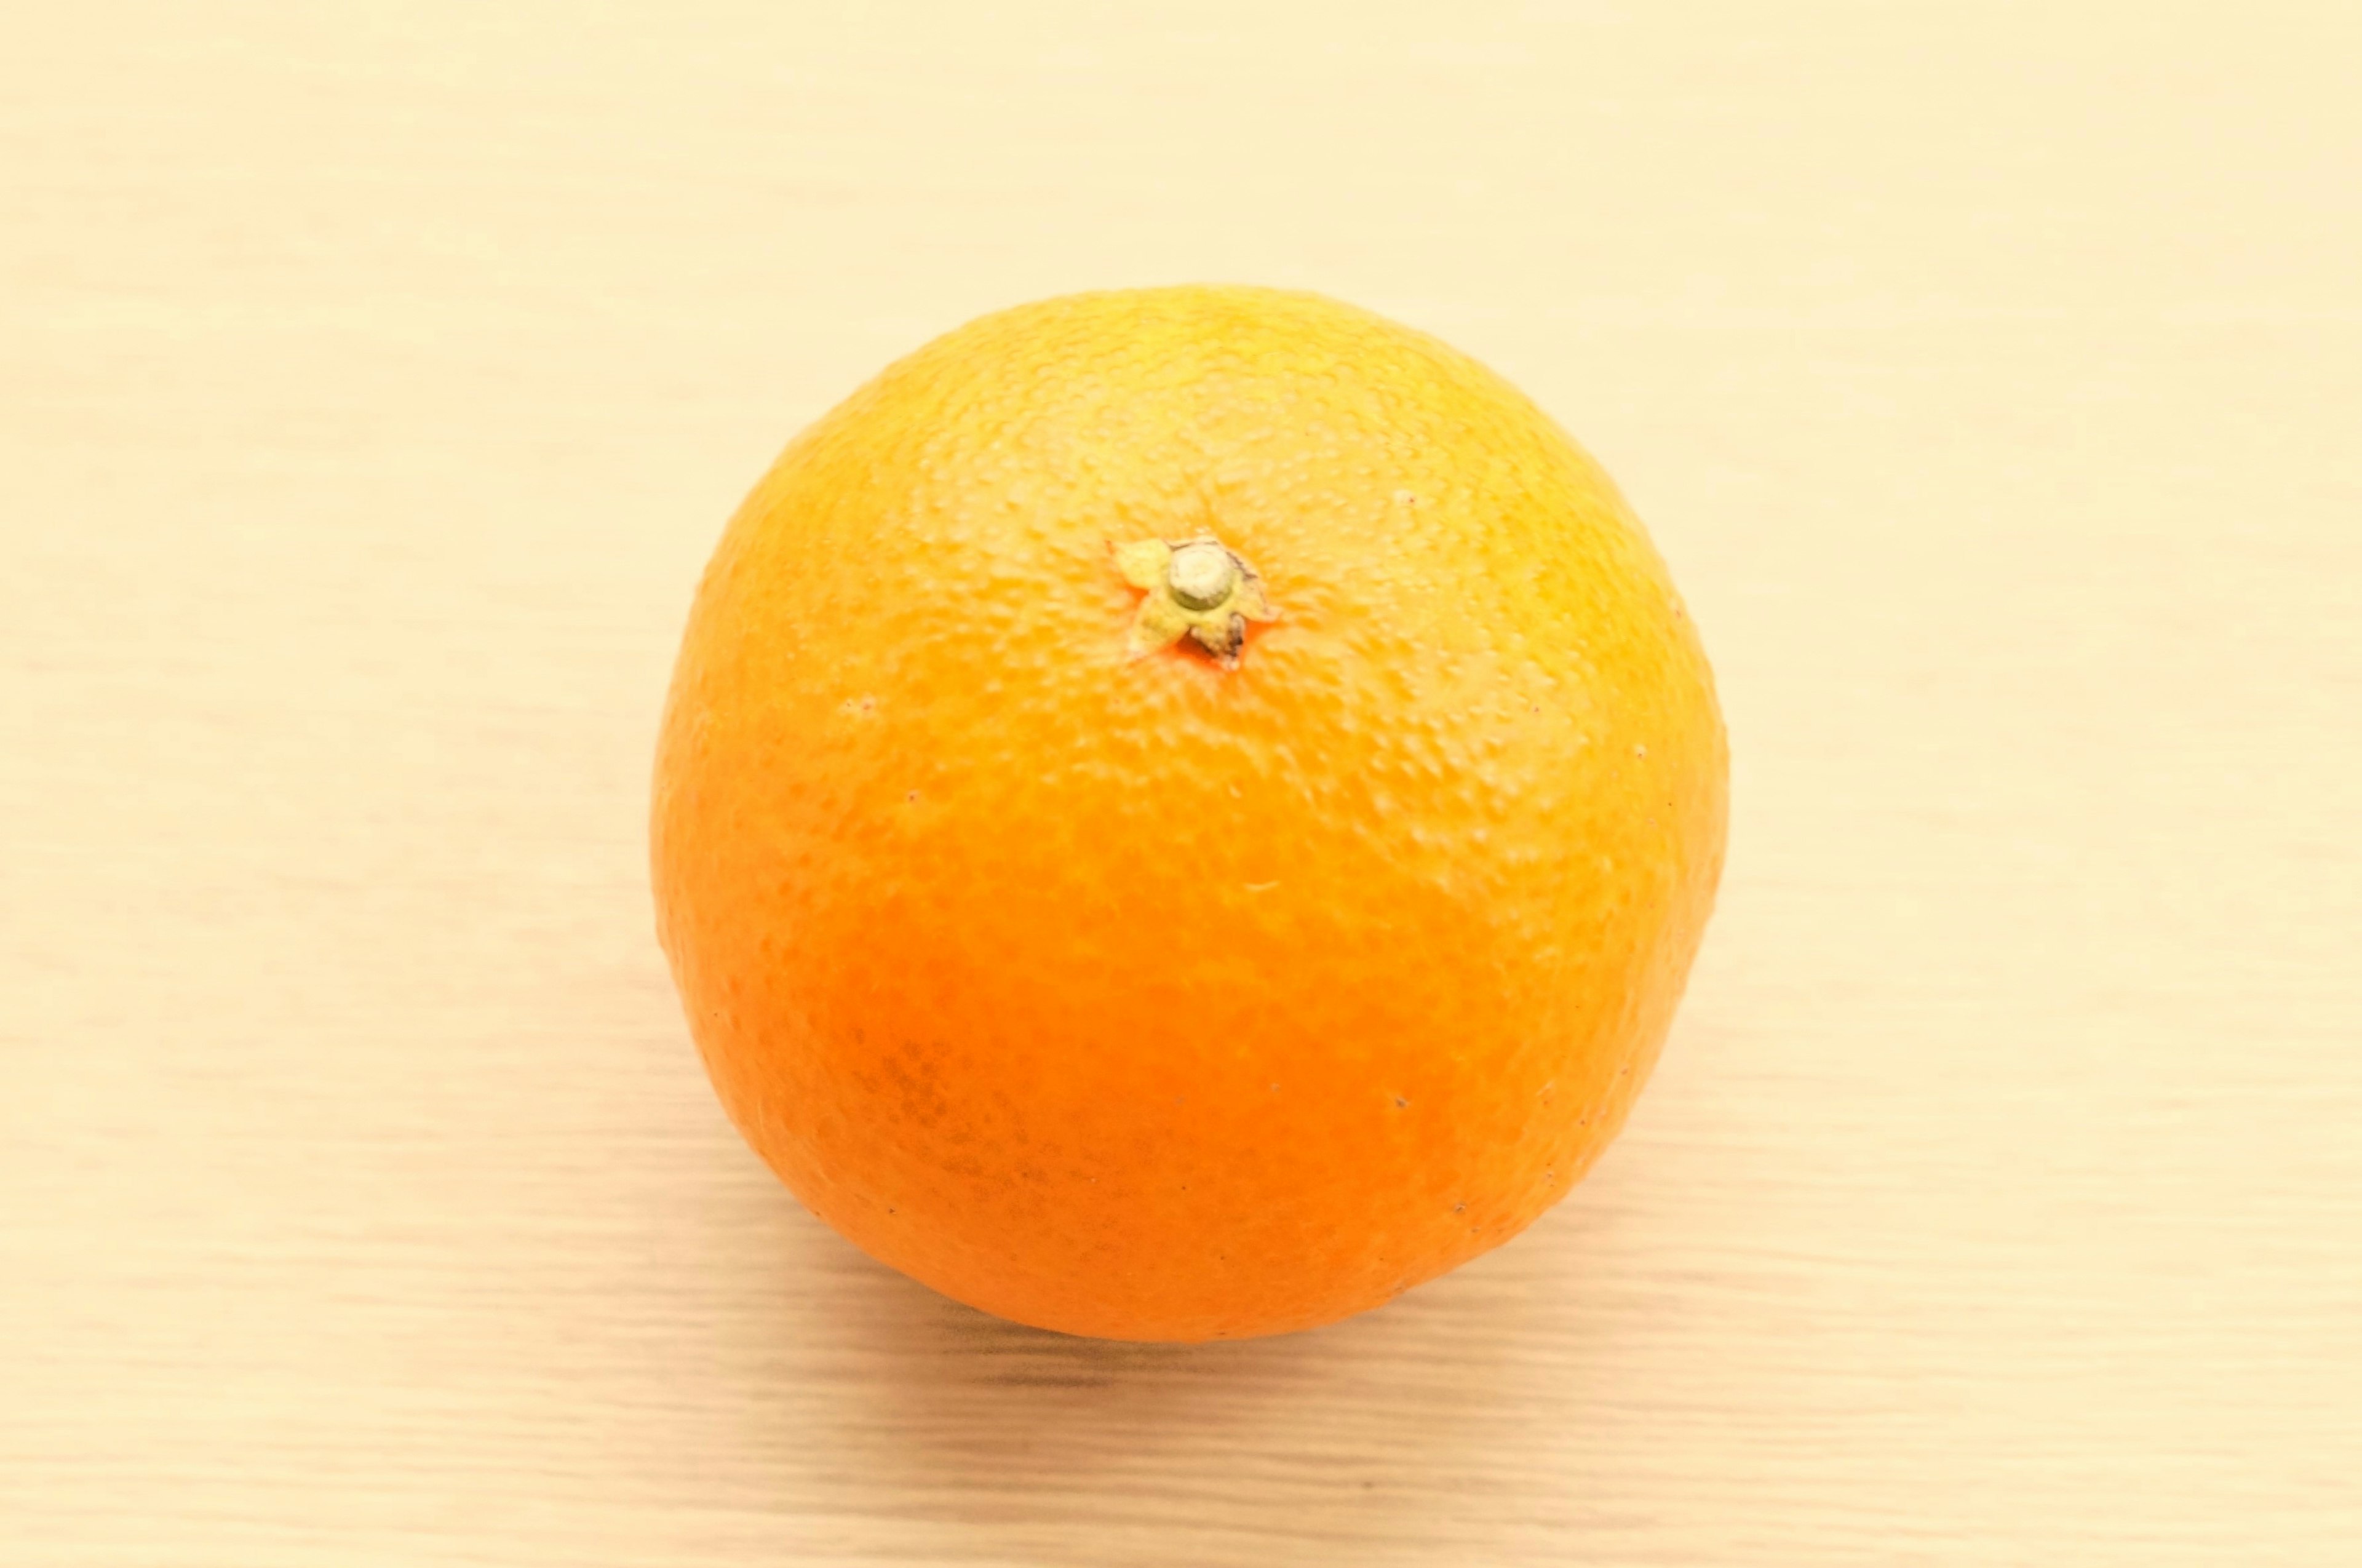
[(1199, 589)]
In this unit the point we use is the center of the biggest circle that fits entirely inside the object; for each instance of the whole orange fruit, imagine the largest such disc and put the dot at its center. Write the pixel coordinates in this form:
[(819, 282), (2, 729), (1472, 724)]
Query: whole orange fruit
[(1184, 812)]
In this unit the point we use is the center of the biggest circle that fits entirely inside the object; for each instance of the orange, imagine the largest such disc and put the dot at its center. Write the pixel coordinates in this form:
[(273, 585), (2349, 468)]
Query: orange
[(1182, 814)]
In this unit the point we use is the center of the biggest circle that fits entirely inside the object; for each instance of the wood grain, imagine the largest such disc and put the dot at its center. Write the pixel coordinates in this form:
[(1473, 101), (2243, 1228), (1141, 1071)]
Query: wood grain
[(373, 381)]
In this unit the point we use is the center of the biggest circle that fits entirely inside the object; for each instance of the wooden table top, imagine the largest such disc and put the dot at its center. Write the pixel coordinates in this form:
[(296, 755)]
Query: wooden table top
[(374, 380)]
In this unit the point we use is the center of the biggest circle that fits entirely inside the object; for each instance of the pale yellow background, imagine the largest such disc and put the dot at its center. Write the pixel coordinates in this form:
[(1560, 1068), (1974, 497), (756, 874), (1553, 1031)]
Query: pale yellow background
[(374, 377)]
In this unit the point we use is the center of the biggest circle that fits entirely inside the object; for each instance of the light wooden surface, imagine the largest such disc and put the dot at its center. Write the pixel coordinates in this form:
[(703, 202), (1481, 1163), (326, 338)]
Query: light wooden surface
[(373, 379)]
